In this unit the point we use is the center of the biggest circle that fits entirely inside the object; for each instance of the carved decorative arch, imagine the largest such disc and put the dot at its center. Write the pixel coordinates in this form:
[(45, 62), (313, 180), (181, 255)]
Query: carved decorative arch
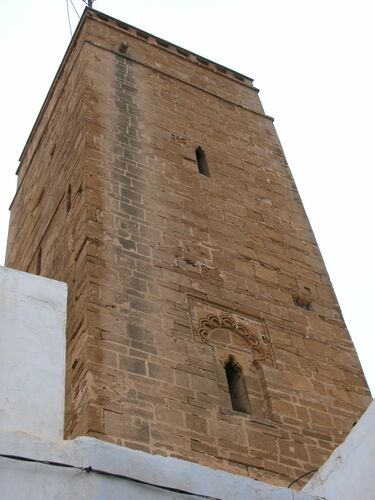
[(212, 322)]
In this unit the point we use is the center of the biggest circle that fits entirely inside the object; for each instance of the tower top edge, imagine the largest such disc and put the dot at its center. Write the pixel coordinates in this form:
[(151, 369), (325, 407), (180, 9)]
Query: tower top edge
[(90, 13), (95, 14)]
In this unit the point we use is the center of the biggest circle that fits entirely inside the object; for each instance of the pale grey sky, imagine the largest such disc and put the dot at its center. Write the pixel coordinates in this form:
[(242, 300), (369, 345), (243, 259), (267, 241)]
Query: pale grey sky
[(313, 63)]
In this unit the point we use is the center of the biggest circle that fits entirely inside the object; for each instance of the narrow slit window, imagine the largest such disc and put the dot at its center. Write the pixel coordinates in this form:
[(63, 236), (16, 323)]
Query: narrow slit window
[(39, 262), (202, 162), (237, 386), (68, 199)]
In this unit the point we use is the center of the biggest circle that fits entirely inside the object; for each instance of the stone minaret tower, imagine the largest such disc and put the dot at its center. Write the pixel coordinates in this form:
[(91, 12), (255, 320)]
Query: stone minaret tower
[(202, 322)]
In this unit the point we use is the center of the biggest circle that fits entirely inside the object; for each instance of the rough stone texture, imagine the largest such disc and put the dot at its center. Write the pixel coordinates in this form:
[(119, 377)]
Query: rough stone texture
[(171, 272)]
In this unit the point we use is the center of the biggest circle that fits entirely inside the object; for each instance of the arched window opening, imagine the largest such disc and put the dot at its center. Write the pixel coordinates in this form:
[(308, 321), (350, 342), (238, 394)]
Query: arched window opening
[(68, 199), (237, 386), (39, 261), (202, 162)]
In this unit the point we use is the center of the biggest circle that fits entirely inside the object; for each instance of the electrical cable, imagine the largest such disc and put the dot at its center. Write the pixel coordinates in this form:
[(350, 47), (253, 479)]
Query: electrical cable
[(106, 473), (70, 26), (74, 7), (301, 477)]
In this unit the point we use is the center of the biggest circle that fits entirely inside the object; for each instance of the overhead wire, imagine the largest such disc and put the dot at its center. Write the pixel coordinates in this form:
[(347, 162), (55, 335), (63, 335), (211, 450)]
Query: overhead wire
[(74, 7), (106, 473), (70, 26), (301, 477)]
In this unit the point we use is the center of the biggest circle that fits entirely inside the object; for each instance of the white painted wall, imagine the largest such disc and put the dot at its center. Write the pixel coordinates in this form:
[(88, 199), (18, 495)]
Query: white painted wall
[(22, 480), (32, 354), (349, 473)]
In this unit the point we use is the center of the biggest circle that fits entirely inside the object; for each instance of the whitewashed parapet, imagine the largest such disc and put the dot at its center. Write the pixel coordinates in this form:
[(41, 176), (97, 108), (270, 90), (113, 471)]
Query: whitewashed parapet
[(107, 471), (32, 354), (348, 474)]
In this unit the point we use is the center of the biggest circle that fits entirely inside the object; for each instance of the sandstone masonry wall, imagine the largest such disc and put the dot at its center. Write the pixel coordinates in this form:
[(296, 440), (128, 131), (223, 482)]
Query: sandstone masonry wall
[(172, 273), (46, 236)]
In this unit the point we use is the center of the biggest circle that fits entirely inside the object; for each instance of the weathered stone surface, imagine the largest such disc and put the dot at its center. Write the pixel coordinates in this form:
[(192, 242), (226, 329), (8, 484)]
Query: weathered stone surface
[(171, 272)]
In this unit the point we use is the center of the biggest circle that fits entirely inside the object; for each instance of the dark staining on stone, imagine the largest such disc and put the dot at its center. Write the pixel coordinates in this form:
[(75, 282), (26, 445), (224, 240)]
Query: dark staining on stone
[(238, 76), (183, 52), (122, 25), (123, 48), (302, 302), (202, 61), (142, 34), (221, 68), (161, 42), (102, 16), (129, 172), (127, 244)]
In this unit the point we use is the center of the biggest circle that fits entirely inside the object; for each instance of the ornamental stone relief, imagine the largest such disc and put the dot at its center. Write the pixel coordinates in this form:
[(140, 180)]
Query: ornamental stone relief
[(214, 325), (230, 331)]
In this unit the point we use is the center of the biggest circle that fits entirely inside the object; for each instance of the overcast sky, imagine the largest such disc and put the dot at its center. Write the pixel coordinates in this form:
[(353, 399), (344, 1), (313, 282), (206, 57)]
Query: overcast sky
[(313, 63)]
